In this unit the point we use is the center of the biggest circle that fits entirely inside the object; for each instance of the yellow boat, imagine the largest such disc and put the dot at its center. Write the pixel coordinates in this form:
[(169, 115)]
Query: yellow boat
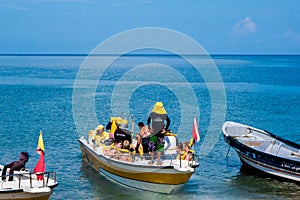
[(167, 177)]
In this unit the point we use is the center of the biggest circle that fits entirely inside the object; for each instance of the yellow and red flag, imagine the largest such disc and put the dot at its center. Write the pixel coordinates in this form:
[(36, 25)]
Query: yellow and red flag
[(40, 165)]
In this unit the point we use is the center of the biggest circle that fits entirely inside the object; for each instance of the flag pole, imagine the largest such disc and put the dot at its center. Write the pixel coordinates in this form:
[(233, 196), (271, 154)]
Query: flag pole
[(132, 126)]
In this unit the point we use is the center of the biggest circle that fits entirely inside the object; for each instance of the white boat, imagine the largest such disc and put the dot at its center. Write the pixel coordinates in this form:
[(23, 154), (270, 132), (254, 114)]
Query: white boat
[(26, 186), (264, 151), (166, 178)]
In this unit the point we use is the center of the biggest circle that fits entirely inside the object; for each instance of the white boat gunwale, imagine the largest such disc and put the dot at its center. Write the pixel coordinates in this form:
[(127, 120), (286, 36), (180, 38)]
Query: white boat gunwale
[(138, 164)]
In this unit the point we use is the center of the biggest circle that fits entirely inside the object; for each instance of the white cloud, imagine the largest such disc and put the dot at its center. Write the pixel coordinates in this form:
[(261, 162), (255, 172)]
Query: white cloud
[(244, 27)]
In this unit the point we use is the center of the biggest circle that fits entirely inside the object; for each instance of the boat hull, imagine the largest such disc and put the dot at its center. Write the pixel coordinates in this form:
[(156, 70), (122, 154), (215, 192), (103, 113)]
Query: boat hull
[(25, 185), (267, 169), (160, 179), (264, 161), (20, 194)]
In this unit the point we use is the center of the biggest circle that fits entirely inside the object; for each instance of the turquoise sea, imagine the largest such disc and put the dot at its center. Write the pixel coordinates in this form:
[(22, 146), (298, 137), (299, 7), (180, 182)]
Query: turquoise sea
[(37, 93)]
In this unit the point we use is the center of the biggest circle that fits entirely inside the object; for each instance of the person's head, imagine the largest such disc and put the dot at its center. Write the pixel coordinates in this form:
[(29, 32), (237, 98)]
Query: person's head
[(24, 156), (118, 144), (159, 108), (100, 129), (186, 146), (141, 124), (126, 144), (179, 147)]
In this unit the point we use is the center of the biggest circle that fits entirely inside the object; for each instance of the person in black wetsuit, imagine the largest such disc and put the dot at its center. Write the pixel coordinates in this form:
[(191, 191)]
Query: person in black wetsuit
[(122, 134), (158, 116), (15, 166)]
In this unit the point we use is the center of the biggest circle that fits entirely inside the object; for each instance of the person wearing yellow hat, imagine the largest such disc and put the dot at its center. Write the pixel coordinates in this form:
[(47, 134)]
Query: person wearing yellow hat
[(100, 136), (156, 123)]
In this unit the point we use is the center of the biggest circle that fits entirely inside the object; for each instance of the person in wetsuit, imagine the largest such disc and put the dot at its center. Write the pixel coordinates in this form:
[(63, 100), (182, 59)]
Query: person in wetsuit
[(156, 122), (122, 134)]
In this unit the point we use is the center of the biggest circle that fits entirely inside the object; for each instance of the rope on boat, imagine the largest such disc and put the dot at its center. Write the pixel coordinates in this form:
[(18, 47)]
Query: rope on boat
[(273, 143), (228, 151)]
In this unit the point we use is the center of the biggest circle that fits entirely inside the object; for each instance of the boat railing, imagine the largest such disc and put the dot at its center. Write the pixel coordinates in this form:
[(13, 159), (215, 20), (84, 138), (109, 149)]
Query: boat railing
[(25, 177)]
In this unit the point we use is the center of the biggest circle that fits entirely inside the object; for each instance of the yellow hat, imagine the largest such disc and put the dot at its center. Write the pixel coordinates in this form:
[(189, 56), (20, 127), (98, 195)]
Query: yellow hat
[(100, 127), (159, 104), (159, 108)]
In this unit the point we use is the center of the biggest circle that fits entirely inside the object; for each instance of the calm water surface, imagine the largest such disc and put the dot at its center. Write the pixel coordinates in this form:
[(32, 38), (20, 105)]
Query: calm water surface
[(36, 94)]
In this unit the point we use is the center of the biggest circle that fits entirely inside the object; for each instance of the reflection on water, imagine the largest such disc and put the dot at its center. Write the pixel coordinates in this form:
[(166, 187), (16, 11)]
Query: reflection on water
[(249, 182)]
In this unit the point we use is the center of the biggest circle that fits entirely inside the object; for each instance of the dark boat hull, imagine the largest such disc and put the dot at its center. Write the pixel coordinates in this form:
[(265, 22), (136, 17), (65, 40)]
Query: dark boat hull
[(266, 163)]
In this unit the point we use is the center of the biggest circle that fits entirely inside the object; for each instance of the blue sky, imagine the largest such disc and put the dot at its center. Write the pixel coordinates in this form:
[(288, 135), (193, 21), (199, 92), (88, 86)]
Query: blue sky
[(220, 26)]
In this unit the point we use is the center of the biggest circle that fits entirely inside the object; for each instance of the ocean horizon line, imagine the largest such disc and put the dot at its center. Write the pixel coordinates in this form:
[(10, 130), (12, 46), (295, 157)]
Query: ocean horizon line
[(139, 54)]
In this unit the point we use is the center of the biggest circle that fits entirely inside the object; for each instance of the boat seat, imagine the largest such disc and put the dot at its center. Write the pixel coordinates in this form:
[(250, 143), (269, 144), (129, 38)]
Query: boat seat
[(237, 130), (260, 145), (284, 152), (279, 149)]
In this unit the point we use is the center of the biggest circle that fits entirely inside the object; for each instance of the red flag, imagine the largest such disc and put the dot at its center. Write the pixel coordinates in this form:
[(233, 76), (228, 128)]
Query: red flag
[(195, 131), (40, 165)]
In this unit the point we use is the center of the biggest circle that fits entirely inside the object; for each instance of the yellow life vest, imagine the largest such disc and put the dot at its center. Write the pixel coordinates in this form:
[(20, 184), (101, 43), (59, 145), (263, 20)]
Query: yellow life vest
[(141, 149), (191, 142), (100, 138), (123, 151), (120, 121), (90, 134), (113, 127), (183, 154)]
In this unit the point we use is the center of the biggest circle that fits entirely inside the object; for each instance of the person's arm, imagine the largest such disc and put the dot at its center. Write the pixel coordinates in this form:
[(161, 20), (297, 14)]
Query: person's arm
[(138, 138), (108, 125), (168, 122), (148, 122)]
